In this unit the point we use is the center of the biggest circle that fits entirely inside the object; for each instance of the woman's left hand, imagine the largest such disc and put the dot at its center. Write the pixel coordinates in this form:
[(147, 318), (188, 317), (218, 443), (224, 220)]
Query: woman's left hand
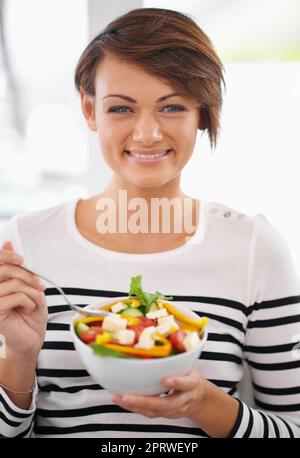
[(185, 396)]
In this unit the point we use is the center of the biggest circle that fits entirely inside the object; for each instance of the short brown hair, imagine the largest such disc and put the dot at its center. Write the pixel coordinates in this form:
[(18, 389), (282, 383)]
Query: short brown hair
[(168, 45)]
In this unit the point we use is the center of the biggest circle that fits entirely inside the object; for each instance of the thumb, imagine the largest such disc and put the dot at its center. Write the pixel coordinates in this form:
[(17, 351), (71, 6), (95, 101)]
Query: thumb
[(8, 246)]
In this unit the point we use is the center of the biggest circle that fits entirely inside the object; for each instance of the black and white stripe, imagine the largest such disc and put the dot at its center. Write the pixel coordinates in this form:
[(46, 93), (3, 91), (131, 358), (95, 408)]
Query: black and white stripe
[(241, 276), (85, 407)]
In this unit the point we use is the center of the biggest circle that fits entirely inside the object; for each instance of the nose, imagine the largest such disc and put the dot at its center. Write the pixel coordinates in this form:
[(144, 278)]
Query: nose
[(147, 130)]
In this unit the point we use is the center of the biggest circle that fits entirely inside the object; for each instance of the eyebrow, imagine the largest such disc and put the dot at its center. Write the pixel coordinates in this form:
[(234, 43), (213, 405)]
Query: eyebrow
[(130, 99)]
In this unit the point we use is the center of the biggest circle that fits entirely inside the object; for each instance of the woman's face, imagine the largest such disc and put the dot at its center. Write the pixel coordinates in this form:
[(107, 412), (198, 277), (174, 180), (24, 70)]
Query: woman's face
[(138, 124)]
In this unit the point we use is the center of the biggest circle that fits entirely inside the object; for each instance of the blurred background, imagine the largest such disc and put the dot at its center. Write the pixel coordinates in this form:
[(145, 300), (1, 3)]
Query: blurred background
[(48, 155)]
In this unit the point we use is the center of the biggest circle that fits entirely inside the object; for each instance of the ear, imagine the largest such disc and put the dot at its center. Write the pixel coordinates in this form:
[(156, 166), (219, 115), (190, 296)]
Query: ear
[(88, 109)]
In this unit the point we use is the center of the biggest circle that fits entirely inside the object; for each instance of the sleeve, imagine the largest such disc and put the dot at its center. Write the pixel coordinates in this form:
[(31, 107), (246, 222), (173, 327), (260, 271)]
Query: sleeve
[(10, 232), (15, 422), (272, 348)]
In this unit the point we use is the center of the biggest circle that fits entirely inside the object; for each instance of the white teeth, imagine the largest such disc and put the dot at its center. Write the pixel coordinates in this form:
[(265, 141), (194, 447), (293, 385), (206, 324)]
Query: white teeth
[(149, 156)]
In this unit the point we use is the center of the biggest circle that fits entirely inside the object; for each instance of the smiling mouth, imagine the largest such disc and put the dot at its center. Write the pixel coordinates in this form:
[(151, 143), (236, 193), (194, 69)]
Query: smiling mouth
[(148, 157)]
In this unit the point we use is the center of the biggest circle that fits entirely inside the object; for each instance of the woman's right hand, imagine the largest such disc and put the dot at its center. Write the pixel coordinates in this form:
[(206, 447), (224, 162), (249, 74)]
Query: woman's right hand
[(23, 307)]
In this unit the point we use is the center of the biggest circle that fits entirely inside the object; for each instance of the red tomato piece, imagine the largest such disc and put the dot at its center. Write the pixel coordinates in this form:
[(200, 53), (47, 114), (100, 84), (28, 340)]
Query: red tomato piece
[(176, 339), (92, 324), (90, 335), (143, 322), (146, 321), (138, 329), (87, 336)]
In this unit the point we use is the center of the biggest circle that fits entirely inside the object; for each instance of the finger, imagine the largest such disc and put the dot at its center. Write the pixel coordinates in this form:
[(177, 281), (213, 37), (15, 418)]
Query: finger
[(184, 383), (9, 256), (145, 412), (15, 285), (16, 300), (175, 407), (8, 246), (8, 271), (154, 403)]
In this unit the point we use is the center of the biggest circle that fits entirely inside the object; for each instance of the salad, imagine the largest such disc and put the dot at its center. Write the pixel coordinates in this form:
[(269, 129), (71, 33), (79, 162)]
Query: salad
[(141, 326)]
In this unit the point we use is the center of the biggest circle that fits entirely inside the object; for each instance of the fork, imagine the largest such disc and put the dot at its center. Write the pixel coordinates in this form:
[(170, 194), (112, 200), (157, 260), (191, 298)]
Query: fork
[(86, 311)]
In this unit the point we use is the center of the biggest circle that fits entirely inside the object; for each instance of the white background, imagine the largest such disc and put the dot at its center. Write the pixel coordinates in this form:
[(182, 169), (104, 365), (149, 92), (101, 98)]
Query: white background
[(255, 167)]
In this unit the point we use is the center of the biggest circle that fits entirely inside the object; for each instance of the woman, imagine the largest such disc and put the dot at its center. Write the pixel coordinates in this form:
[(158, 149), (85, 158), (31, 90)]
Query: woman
[(147, 83)]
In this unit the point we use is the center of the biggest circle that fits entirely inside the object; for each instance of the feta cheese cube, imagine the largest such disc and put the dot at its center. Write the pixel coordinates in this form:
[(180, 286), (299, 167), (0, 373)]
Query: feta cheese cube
[(146, 341), (167, 325), (118, 307), (168, 320), (157, 314), (191, 341), (121, 324), (148, 330), (114, 323), (125, 336), (163, 329)]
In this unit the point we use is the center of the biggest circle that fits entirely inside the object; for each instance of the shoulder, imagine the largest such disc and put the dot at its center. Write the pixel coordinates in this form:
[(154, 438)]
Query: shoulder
[(269, 245), (261, 231), (272, 272), (226, 213), (231, 224), (28, 228), (35, 219), (255, 233)]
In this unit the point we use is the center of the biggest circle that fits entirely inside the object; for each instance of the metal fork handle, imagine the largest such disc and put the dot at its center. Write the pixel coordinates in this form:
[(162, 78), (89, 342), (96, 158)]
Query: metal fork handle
[(76, 308)]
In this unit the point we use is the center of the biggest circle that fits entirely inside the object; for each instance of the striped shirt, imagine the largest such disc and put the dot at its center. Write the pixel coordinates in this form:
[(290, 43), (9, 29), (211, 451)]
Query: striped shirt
[(236, 269)]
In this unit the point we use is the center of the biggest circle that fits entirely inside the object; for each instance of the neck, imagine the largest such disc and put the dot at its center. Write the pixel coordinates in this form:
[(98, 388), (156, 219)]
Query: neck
[(184, 213), (169, 190)]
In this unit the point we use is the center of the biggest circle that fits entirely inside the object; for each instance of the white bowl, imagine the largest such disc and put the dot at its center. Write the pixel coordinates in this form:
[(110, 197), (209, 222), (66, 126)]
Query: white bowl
[(135, 376)]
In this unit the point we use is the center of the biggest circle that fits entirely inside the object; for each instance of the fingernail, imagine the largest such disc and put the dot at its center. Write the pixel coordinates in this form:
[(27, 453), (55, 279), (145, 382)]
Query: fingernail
[(169, 382)]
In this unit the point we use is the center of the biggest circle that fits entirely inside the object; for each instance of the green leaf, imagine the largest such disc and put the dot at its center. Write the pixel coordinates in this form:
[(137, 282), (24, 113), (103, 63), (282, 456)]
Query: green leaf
[(104, 351), (142, 308), (146, 299), (137, 290)]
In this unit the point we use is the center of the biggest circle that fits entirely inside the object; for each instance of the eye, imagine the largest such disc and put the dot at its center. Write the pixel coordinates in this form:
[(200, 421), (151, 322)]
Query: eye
[(177, 107), (122, 109), (116, 109)]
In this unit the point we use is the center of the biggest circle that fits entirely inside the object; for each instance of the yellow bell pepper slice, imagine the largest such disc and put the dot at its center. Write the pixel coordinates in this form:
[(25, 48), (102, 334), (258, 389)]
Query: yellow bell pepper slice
[(132, 320), (90, 319), (156, 351), (187, 327), (160, 304), (133, 303), (103, 338), (198, 323), (108, 307)]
